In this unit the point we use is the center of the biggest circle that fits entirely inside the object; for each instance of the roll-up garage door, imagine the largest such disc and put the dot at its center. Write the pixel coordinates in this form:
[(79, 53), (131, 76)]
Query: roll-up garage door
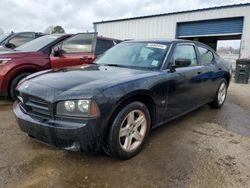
[(227, 26)]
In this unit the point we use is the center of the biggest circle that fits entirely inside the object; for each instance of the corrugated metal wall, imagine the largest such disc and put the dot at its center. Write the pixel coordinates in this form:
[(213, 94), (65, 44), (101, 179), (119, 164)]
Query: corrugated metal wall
[(165, 26)]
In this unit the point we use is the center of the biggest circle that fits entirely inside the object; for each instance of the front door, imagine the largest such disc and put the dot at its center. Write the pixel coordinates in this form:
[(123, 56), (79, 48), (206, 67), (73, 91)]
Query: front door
[(184, 83), (76, 50)]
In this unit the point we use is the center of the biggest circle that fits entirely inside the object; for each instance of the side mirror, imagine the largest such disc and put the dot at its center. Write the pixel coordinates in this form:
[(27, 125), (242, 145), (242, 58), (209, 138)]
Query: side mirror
[(57, 51), (10, 45), (180, 62)]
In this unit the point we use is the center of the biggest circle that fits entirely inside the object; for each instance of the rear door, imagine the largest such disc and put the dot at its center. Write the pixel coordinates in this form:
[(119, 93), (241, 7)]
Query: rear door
[(208, 74), (76, 50)]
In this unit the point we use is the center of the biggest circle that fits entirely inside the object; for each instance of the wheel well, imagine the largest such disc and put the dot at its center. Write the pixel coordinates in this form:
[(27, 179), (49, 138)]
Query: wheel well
[(17, 73), (227, 77), (143, 98)]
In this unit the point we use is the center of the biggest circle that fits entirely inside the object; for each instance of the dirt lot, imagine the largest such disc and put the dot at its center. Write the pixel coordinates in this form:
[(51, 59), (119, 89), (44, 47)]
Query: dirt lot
[(206, 148)]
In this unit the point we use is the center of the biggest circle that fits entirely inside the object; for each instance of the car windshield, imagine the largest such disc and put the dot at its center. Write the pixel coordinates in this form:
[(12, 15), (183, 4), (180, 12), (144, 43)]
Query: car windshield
[(149, 55), (37, 44)]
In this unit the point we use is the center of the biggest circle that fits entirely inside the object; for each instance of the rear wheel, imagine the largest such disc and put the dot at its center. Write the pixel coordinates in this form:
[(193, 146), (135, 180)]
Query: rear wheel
[(15, 81), (129, 131), (221, 95)]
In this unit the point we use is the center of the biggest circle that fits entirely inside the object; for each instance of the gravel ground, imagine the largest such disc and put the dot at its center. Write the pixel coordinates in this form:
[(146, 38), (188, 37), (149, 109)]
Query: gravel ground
[(206, 148)]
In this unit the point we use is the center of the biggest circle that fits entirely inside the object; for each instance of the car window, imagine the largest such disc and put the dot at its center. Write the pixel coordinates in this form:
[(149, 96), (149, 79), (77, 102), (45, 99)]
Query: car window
[(185, 52), (148, 55), (103, 45), (79, 43), (206, 56), (22, 38)]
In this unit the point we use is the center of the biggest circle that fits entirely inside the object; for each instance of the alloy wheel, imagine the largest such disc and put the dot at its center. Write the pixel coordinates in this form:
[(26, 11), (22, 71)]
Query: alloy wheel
[(133, 130), (222, 93)]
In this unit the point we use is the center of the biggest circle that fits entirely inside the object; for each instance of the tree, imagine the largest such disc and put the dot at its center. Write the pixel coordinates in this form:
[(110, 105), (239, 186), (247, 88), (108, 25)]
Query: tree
[(58, 29), (54, 29), (49, 29)]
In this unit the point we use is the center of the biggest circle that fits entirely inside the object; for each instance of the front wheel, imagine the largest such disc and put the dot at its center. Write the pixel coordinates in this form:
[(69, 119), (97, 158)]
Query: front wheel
[(129, 131), (15, 81), (221, 95)]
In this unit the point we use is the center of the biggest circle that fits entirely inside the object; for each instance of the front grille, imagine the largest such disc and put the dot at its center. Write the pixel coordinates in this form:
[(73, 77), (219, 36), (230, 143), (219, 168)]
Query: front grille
[(35, 106)]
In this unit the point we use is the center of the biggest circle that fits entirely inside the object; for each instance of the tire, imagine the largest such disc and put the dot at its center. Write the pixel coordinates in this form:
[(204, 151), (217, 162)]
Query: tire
[(221, 95), (126, 138), (14, 82)]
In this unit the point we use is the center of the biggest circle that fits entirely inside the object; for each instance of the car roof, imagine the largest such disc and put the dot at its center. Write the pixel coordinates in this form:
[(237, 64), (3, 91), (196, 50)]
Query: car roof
[(107, 38), (172, 41), (158, 40), (60, 34), (99, 37)]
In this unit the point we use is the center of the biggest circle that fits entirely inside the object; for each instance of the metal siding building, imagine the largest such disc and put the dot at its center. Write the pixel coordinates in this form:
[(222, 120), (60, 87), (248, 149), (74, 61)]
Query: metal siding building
[(205, 25)]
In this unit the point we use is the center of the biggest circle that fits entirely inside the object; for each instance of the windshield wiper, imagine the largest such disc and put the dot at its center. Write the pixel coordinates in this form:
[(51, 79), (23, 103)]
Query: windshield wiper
[(114, 65)]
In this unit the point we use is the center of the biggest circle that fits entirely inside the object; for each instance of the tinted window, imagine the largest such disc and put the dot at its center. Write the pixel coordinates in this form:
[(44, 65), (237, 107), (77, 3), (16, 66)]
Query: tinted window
[(103, 45), (79, 43), (185, 52), (22, 38), (136, 54), (206, 56), (38, 44)]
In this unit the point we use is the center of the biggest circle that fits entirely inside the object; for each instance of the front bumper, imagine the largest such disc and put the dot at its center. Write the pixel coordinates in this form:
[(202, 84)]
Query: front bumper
[(3, 92), (84, 136), (3, 81)]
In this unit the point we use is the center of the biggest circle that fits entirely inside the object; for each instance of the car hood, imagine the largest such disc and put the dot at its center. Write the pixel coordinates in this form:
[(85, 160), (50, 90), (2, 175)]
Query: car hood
[(86, 80)]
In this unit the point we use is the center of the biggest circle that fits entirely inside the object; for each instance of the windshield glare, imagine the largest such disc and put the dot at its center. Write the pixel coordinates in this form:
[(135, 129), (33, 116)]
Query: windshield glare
[(148, 55), (37, 44)]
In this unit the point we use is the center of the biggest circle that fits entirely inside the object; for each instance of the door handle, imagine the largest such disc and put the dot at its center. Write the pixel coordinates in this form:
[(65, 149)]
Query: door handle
[(85, 58), (199, 72)]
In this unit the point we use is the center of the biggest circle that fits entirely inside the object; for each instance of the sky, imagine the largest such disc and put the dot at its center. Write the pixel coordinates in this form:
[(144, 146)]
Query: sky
[(78, 15)]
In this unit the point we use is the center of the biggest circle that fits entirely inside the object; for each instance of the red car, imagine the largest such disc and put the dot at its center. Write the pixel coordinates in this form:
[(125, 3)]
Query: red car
[(49, 52)]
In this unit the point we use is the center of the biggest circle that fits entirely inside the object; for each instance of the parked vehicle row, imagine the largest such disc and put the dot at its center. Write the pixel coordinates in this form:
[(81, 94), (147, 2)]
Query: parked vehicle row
[(113, 103), (49, 52)]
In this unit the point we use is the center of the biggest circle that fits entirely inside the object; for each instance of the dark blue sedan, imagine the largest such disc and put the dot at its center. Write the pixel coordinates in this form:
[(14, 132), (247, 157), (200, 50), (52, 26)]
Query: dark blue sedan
[(113, 103)]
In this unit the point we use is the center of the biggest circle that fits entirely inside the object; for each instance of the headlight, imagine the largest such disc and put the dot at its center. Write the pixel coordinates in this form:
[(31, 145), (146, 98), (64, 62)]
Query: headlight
[(69, 106), (83, 106), (77, 108), (4, 60)]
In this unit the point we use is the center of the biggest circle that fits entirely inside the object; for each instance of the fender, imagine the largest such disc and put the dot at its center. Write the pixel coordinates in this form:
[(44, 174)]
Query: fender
[(125, 98), (132, 94), (22, 68)]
